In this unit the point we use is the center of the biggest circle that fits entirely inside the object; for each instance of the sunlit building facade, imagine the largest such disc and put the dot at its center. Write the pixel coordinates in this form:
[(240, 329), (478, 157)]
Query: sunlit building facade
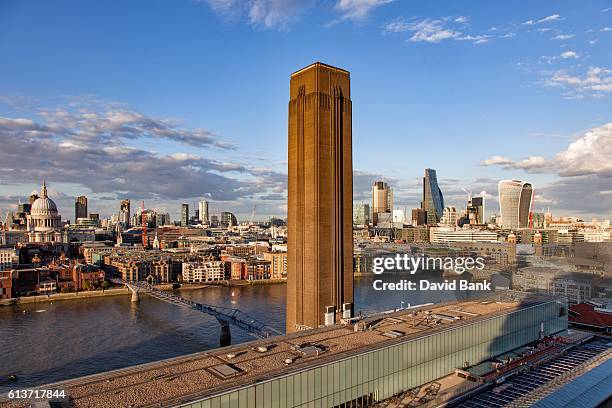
[(515, 203)]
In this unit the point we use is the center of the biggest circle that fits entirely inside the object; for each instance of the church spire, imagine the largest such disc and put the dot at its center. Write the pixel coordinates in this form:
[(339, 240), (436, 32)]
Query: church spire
[(43, 189)]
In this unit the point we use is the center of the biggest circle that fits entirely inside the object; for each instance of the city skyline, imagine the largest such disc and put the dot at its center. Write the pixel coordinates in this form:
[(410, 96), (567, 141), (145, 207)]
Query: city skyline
[(84, 131)]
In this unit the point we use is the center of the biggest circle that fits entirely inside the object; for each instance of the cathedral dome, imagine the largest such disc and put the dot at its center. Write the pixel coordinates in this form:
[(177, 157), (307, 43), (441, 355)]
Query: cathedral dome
[(43, 214), (44, 206)]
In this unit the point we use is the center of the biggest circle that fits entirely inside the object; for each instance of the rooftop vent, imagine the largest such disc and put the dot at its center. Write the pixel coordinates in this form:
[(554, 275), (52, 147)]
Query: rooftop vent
[(393, 334), (225, 371), (308, 350)]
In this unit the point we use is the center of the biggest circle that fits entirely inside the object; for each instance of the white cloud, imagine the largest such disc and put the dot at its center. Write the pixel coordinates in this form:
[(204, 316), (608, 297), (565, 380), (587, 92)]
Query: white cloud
[(432, 31), (563, 37), (436, 30), (548, 19), (596, 81), (584, 169), (592, 42), (589, 154), (358, 10), (531, 163), (268, 14), (606, 29), (497, 160), (569, 54), (89, 148)]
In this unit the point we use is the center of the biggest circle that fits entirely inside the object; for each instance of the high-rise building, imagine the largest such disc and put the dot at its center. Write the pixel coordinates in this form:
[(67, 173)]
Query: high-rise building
[(361, 214), (203, 211), (214, 220), (399, 216), (514, 203), (124, 213), (449, 216), (433, 200), (382, 199), (184, 214), (228, 219), (475, 210), (419, 216), (320, 234), (80, 208)]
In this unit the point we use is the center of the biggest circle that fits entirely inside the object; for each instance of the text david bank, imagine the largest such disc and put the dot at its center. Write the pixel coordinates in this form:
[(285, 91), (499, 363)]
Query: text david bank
[(424, 284)]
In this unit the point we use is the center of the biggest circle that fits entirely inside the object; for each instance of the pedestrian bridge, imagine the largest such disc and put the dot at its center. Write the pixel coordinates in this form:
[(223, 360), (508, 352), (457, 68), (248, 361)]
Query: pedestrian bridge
[(226, 316)]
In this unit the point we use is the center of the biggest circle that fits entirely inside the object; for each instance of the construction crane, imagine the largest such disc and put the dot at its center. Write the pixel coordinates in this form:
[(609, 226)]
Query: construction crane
[(469, 193), (143, 221)]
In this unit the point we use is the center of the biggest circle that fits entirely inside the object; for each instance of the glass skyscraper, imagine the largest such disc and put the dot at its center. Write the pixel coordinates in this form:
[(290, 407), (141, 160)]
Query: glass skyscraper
[(515, 203), (433, 200)]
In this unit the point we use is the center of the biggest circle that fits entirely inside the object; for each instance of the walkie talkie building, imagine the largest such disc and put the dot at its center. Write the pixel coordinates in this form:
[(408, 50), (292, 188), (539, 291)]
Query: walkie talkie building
[(515, 203)]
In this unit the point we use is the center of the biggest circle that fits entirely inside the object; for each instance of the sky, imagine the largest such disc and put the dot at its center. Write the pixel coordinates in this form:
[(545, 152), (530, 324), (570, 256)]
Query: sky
[(175, 101)]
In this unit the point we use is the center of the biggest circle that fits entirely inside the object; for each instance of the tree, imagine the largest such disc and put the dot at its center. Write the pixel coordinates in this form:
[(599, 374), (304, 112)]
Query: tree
[(86, 285)]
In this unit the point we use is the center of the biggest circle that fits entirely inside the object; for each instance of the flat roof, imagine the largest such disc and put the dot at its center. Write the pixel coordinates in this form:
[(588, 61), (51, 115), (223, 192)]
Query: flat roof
[(188, 378), (321, 64)]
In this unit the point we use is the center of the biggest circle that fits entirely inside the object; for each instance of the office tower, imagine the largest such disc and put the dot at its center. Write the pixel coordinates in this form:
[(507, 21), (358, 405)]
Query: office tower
[(95, 218), (214, 220), (433, 201), (184, 214), (124, 213), (320, 234), (203, 209), (514, 203), (449, 216), (361, 214), (382, 200), (228, 219), (476, 210), (419, 216), (399, 216), (80, 208)]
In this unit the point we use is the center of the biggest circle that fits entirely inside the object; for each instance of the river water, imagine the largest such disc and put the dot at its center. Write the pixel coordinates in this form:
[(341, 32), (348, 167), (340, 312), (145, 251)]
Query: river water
[(48, 342)]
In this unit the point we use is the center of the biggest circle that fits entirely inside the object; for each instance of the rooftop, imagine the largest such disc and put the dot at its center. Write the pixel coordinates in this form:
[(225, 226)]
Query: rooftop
[(315, 64), (208, 373)]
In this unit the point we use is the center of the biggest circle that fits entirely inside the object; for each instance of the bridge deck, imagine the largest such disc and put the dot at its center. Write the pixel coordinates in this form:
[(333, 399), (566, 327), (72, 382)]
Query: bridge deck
[(183, 379)]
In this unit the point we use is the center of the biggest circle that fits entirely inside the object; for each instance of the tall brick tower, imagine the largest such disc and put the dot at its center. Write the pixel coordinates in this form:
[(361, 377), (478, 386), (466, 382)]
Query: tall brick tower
[(320, 235)]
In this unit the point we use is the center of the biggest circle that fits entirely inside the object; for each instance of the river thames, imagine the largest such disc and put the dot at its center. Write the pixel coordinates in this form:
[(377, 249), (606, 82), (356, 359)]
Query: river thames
[(48, 342)]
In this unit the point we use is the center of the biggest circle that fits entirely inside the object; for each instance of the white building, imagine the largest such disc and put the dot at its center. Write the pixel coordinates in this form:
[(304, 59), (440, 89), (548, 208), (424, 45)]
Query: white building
[(44, 223), (443, 235), (9, 257), (399, 216), (449, 216), (197, 272), (203, 212)]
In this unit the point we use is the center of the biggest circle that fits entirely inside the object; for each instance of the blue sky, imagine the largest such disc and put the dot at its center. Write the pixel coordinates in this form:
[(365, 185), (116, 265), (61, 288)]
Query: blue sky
[(189, 98)]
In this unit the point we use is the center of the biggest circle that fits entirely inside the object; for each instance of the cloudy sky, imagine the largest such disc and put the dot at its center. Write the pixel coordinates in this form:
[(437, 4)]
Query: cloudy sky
[(170, 101)]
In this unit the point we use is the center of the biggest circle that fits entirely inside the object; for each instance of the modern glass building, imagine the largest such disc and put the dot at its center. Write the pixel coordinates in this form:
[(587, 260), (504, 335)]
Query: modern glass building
[(515, 203), (433, 200), (361, 214), (382, 370)]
